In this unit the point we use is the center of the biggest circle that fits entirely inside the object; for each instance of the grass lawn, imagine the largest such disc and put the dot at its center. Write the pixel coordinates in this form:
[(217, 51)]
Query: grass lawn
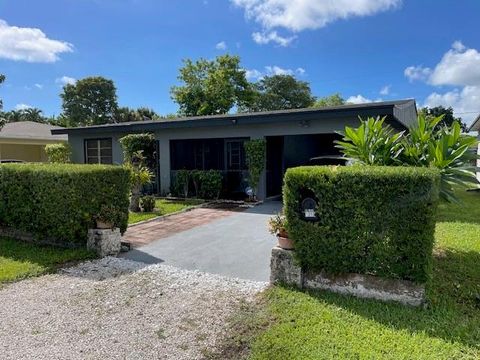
[(322, 325), (163, 207), (19, 260)]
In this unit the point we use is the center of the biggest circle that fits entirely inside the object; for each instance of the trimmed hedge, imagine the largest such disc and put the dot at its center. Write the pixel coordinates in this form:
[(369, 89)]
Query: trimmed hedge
[(371, 220), (57, 203)]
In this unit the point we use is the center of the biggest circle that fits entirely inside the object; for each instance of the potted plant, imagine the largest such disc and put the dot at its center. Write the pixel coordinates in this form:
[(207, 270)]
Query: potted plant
[(277, 226), (106, 217)]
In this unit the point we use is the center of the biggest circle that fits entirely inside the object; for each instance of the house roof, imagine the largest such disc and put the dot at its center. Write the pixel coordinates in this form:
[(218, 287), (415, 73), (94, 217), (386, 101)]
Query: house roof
[(475, 125), (29, 130), (395, 107)]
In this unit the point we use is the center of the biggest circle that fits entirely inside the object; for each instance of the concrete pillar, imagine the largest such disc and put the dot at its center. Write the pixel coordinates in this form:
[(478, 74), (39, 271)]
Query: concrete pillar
[(164, 164)]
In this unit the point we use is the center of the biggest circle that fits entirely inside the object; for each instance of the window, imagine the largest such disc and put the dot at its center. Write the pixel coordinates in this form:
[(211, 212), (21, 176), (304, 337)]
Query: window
[(235, 155), (98, 151)]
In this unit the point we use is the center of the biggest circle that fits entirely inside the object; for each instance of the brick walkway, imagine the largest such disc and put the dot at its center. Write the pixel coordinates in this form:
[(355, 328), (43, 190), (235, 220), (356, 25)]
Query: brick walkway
[(142, 234)]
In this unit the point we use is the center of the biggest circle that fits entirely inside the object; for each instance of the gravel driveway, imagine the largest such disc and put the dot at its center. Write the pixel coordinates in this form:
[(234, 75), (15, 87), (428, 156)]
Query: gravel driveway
[(118, 309)]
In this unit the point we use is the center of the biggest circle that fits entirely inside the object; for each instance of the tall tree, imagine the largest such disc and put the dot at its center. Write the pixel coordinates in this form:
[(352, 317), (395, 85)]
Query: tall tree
[(211, 87), (331, 100), (281, 92), (448, 117), (29, 114), (90, 101)]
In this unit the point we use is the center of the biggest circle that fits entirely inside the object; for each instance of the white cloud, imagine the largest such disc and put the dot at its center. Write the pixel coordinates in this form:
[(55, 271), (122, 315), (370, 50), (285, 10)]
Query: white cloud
[(254, 74), (272, 36), (64, 80), (459, 67), (358, 99), (38, 86), (22, 106), (222, 45), (29, 44), (299, 15), (300, 71), (465, 102), (385, 90), (417, 73)]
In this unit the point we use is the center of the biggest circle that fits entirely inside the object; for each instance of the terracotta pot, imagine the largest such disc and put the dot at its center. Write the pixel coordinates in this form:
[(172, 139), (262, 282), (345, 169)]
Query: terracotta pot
[(285, 243), (103, 225)]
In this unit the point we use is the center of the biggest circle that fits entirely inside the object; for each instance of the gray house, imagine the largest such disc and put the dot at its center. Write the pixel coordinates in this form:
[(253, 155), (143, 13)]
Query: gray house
[(293, 138)]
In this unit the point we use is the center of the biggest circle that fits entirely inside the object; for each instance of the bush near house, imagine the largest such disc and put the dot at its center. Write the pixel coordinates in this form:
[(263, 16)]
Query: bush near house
[(207, 184), (371, 220), (57, 203), (58, 153)]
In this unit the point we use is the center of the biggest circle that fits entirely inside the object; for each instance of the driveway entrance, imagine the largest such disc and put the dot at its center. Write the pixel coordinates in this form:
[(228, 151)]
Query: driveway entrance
[(236, 244)]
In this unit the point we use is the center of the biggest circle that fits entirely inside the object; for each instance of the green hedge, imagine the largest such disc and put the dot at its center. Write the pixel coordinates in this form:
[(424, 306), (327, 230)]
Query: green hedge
[(371, 220), (56, 203)]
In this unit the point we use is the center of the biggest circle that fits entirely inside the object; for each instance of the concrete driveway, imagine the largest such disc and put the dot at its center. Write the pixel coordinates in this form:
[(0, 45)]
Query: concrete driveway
[(238, 245)]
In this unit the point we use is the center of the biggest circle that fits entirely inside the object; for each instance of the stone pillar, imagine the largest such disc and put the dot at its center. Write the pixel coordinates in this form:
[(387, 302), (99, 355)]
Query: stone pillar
[(104, 242), (283, 269)]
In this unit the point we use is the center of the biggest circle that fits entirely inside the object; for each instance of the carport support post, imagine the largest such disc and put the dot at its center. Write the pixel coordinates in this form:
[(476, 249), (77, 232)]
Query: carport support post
[(164, 164), (262, 184)]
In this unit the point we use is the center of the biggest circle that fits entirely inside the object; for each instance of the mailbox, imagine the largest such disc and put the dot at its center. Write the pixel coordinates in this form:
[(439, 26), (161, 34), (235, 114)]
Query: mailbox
[(308, 209)]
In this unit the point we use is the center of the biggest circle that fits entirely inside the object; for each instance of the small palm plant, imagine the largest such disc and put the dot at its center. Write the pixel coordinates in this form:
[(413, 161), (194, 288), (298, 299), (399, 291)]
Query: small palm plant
[(446, 148), (372, 143)]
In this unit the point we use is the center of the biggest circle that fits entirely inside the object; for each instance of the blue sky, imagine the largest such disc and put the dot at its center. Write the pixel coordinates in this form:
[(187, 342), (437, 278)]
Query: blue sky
[(364, 49)]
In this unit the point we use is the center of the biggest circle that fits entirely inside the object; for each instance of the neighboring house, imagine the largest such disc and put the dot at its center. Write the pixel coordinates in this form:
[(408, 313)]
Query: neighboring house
[(476, 127), (26, 140), (293, 138)]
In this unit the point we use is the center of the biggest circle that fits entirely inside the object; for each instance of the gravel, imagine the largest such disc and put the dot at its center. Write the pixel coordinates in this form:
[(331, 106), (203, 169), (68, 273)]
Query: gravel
[(119, 309)]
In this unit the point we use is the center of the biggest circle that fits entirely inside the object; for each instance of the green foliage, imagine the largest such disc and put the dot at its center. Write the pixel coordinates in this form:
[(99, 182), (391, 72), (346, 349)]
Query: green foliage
[(371, 143), (372, 220), (57, 203), (58, 153), (134, 143), (182, 179), (323, 325), (109, 214), (207, 183), (20, 260), (211, 87), (281, 92), (448, 117), (125, 114), (210, 184), (331, 100), (28, 114), (425, 144), (255, 152), (147, 203), (90, 101)]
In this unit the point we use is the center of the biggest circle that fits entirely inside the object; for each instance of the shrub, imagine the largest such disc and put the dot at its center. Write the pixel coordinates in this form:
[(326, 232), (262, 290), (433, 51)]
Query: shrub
[(109, 214), (371, 220), (147, 203), (57, 203), (58, 153), (144, 143), (425, 144), (255, 151), (182, 178), (210, 184)]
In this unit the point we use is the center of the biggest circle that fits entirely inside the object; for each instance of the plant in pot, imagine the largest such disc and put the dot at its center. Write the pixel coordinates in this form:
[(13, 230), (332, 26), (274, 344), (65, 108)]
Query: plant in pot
[(277, 226), (107, 217)]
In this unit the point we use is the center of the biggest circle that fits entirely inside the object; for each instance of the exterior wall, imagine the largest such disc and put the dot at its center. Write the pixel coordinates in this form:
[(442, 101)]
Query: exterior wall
[(257, 131), (24, 152), (231, 130), (77, 142)]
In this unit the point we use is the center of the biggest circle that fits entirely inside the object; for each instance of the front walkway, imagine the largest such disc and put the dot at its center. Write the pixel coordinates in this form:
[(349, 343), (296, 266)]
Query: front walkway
[(145, 233), (235, 244)]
